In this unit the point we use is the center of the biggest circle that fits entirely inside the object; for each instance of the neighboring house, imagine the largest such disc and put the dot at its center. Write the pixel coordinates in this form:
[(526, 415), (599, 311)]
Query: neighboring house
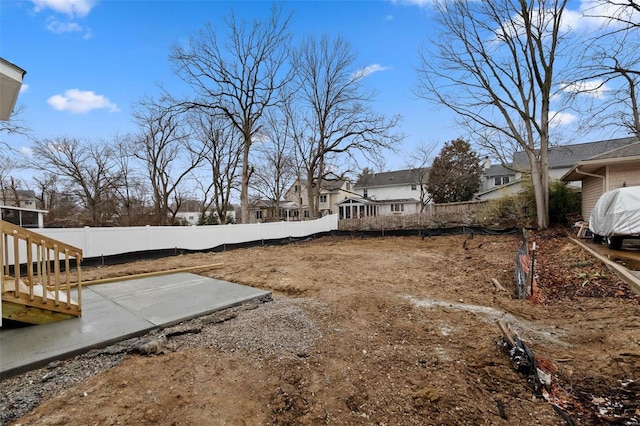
[(497, 181), (271, 211), (295, 204), (11, 77), (191, 210), (21, 211), (613, 169), (398, 192), (561, 160), (25, 199), (25, 217)]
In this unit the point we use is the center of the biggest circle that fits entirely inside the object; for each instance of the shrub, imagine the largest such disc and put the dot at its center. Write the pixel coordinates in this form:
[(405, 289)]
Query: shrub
[(563, 203)]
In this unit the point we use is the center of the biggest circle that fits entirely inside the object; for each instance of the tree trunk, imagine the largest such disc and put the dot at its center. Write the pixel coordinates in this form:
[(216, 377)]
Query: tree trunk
[(540, 182), (246, 174)]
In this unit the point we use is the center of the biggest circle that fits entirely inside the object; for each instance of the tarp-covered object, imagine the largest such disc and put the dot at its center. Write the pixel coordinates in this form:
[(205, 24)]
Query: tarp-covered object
[(617, 213)]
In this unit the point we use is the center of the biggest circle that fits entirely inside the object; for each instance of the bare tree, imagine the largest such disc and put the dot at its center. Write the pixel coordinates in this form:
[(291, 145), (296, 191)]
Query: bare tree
[(339, 122), (132, 192), (62, 209), (608, 80), (7, 166), (495, 66), (275, 165), (622, 14), (15, 126), (237, 76), (420, 159), (221, 147), (88, 170), (163, 147)]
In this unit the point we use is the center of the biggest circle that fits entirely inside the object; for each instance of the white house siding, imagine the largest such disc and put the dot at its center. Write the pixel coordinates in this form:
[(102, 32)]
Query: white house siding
[(408, 208), (592, 189), (502, 191), (391, 192), (623, 174)]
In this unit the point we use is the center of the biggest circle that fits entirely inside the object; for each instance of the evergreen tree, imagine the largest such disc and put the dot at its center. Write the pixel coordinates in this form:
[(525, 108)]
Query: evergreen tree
[(455, 173)]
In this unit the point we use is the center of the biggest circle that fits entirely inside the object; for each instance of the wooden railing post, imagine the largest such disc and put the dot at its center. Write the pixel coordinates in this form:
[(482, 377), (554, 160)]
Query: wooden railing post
[(56, 272), (16, 265)]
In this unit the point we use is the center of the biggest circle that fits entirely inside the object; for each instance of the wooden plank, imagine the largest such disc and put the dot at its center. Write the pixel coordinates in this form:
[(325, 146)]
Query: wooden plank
[(23, 299), (151, 274)]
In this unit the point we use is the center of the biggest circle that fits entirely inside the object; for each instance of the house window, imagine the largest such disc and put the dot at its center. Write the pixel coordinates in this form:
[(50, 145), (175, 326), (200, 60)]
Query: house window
[(365, 193), (414, 186), (397, 207), (501, 180), (296, 189), (259, 214), (323, 198), (306, 213), (348, 186)]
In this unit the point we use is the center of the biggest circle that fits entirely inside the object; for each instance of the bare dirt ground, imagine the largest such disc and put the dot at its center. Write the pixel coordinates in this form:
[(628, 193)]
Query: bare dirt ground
[(385, 331)]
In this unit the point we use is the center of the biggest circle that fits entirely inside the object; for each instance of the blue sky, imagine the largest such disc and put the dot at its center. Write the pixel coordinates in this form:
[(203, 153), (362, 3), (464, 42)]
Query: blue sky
[(87, 61)]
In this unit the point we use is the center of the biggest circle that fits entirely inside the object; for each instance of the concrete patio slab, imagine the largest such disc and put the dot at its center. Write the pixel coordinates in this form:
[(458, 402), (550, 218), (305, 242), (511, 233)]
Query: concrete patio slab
[(118, 311)]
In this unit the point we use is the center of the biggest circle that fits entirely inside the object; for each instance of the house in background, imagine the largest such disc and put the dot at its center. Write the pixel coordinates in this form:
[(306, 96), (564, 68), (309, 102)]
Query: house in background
[(563, 158), (272, 211), (295, 205), (19, 198), (600, 173), (190, 212), (497, 181), (399, 192)]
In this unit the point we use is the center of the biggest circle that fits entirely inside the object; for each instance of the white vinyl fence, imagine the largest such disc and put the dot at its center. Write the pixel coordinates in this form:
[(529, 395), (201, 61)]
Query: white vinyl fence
[(96, 242)]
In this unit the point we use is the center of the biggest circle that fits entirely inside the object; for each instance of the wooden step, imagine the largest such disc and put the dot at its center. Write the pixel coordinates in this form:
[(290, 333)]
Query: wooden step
[(35, 310)]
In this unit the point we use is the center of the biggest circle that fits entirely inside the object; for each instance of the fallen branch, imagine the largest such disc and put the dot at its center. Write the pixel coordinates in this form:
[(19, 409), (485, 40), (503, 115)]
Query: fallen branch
[(497, 285)]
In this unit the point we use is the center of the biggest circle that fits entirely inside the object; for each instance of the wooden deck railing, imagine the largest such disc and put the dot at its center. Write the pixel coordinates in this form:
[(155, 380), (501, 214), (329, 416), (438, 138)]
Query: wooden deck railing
[(30, 270)]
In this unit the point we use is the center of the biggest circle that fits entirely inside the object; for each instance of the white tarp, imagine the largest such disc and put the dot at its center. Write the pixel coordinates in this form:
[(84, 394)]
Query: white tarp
[(617, 212)]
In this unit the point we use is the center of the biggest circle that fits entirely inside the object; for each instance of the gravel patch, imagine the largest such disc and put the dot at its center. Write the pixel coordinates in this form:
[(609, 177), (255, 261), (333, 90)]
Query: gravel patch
[(278, 329)]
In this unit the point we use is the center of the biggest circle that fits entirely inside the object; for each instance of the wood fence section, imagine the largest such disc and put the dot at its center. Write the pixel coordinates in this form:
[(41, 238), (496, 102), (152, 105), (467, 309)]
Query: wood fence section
[(435, 216), (462, 207)]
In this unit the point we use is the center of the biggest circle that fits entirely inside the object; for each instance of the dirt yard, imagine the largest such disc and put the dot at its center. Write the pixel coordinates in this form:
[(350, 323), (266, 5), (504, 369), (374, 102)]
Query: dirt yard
[(384, 331)]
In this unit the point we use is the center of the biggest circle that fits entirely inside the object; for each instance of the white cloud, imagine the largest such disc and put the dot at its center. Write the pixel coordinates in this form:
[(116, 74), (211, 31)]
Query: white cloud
[(597, 12), (595, 88), (367, 71), (419, 3), (81, 101), (24, 88), (71, 8), (559, 118), (59, 27), (26, 151)]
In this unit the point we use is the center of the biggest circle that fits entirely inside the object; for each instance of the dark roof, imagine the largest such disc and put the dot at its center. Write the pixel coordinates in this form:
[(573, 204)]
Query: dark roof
[(332, 185), (497, 170), (27, 193), (398, 177), (631, 150), (270, 203), (568, 155)]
